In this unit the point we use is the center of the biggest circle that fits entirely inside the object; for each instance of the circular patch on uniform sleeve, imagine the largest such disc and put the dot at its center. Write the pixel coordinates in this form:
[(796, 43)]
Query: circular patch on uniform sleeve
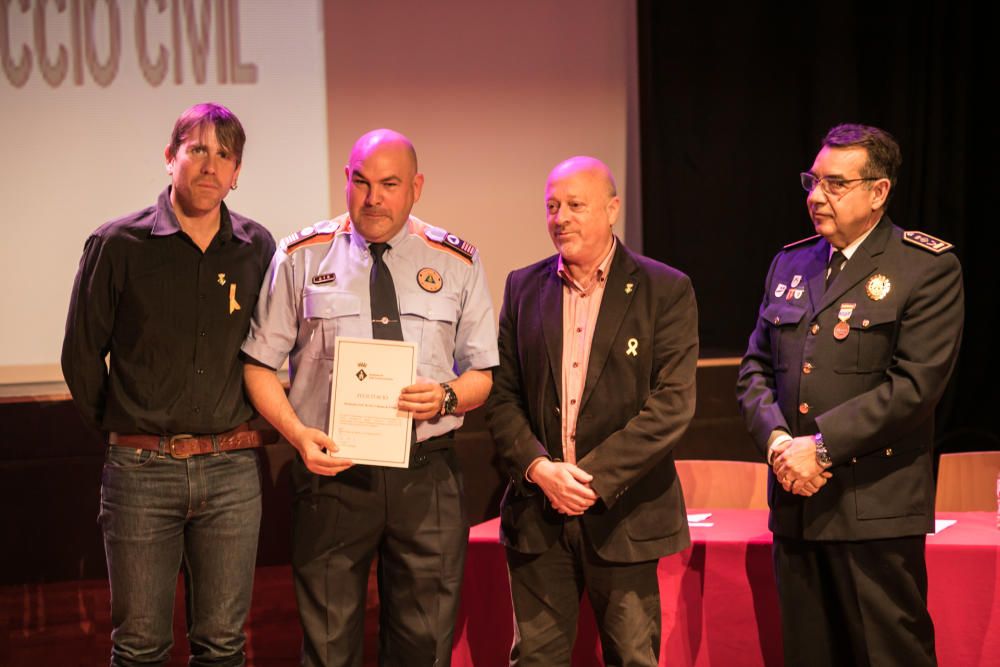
[(430, 280)]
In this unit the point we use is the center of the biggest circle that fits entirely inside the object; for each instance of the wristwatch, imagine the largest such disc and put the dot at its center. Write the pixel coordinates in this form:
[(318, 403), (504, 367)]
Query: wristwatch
[(822, 455), (450, 402)]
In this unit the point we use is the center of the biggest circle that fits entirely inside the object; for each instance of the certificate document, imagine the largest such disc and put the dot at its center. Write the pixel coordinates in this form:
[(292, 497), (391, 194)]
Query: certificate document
[(365, 423)]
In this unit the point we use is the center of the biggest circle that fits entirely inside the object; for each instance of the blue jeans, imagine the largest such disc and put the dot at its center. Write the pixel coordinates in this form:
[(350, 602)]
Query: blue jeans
[(159, 513)]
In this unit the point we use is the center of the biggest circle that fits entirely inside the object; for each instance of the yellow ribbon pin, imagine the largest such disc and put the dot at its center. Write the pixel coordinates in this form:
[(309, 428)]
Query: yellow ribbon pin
[(233, 305)]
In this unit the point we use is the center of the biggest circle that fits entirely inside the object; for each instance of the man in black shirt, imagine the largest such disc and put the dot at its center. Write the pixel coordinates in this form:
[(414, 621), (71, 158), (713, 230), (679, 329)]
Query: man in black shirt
[(168, 293)]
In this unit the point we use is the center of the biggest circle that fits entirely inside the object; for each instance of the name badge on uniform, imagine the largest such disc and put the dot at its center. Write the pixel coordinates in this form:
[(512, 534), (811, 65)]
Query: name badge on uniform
[(843, 329), (324, 278)]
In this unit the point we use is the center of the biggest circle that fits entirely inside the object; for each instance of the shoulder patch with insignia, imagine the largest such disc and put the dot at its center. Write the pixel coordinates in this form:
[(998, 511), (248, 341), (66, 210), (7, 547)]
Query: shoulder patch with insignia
[(442, 240), (795, 244), (321, 232), (927, 242)]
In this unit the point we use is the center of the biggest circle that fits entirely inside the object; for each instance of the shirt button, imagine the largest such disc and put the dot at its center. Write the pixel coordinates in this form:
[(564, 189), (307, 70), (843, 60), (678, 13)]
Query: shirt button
[(558, 411), (200, 371), (807, 368), (579, 329), (804, 408), (888, 451), (202, 334), (814, 329), (575, 364), (197, 409), (777, 320), (865, 323), (572, 401)]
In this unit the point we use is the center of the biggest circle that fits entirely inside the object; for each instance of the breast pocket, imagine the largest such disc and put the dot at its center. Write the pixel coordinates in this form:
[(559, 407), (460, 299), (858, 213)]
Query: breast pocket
[(330, 314), (783, 320), (431, 320), (869, 345)]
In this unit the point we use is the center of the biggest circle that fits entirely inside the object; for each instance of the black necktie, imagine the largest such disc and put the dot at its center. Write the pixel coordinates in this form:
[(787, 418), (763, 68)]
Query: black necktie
[(385, 310), (837, 261)]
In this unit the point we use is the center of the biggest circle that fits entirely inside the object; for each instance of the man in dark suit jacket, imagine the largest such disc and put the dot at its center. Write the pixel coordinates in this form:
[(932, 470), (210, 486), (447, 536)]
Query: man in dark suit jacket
[(596, 384), (838, 387)]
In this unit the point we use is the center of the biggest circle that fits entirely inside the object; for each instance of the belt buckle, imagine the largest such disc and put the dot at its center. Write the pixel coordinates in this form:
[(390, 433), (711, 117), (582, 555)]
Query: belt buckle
[(174, 439)]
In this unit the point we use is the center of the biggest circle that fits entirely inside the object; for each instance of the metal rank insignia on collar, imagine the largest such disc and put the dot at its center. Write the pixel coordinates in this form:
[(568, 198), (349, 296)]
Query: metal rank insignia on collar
[(843, 329), (878, 287), (430, 280)]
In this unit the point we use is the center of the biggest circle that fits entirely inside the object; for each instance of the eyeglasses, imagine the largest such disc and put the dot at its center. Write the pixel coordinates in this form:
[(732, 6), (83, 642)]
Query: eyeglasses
[(831, 185)]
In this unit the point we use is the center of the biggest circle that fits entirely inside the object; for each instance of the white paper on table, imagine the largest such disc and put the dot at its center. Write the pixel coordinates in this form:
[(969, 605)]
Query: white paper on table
[(941, 524), (365, 422), (698, 518)]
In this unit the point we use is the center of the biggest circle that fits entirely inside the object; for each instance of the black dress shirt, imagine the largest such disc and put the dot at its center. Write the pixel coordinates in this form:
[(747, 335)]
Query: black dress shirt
[(172, 319)]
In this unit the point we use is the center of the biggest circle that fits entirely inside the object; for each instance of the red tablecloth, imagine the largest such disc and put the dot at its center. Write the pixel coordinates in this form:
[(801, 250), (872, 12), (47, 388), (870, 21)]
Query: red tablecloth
[(719, 602)]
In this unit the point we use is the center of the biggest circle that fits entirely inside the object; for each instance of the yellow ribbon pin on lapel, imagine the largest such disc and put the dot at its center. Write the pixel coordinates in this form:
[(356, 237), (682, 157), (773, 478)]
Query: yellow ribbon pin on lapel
[(233, 305)]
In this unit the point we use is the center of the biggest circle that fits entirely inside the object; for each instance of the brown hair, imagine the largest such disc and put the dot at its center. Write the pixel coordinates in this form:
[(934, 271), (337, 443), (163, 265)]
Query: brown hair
[(228, 129)]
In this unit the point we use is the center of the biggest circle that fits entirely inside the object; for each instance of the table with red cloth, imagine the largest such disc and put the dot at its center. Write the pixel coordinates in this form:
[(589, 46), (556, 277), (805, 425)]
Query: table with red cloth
[(719, 602)]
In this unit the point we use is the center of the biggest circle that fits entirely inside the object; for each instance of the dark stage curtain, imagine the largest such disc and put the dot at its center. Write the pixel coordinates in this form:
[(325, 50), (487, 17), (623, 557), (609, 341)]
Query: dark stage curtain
[(735, 99)]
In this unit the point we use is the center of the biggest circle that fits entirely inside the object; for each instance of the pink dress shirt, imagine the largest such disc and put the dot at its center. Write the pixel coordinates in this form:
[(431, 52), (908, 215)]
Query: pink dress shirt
[(581, 306)]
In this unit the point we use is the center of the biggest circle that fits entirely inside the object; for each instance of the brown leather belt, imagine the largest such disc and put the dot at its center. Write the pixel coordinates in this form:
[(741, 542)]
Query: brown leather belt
[(184, 445)]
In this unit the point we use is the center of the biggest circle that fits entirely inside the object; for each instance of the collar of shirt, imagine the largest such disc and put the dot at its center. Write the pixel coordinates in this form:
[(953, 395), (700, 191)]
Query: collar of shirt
[(599, 274), (849, 250), (165, 221), (396, 242)]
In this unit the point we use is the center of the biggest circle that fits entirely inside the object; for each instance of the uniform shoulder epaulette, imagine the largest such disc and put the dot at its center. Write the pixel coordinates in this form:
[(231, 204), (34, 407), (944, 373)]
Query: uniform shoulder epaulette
[(795, 244), (927, 242), (321, 232), (441, 239)]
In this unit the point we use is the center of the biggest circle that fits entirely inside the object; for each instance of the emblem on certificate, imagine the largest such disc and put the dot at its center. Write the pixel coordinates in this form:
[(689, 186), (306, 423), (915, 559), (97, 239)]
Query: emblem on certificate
[(878, 287), (843, 329)]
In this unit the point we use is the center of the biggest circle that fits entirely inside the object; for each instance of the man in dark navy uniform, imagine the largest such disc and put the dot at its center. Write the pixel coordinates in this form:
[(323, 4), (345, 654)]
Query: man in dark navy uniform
[(857, 336)]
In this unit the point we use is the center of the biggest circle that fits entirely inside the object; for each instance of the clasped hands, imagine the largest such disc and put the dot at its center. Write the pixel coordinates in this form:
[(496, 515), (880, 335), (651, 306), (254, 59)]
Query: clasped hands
[(796, 468), (423, 399), (565, 485)]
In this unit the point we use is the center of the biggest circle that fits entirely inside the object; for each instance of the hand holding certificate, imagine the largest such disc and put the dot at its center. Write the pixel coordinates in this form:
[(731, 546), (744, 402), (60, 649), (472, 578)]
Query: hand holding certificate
[(365, 421)]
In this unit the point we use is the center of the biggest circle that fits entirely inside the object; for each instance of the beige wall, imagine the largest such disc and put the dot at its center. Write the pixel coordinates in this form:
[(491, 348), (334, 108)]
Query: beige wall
[(493, 95)]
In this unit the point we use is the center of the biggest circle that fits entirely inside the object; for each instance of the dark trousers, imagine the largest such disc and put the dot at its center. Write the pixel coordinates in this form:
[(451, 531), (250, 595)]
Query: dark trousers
[(857, 604), (414, 520), (546, 590)]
